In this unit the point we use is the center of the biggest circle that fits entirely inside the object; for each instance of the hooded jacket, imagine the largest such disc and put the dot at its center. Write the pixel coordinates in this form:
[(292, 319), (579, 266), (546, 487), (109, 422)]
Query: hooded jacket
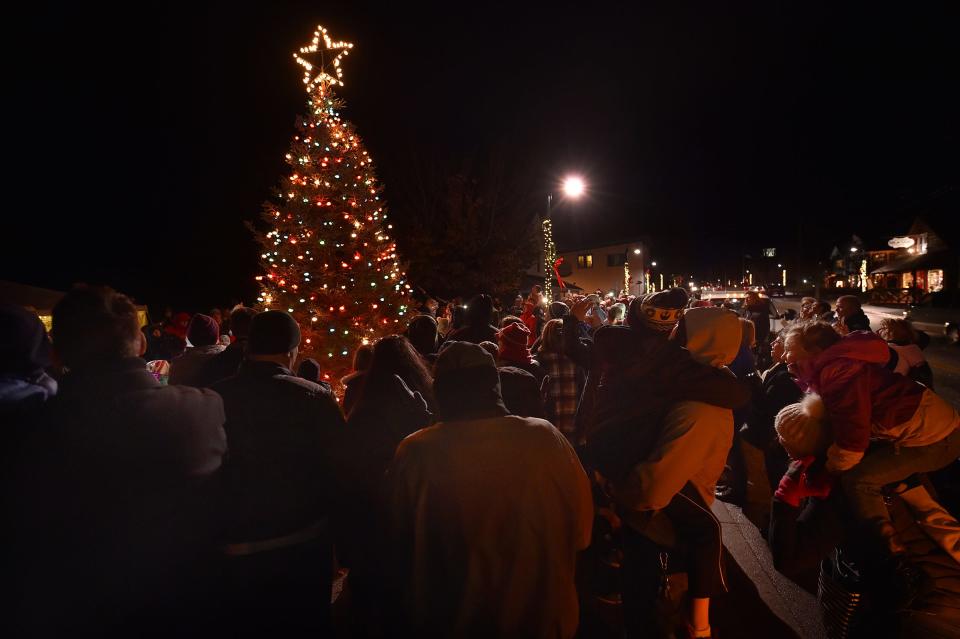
[(694, 437), (642, 376), (864, 399)]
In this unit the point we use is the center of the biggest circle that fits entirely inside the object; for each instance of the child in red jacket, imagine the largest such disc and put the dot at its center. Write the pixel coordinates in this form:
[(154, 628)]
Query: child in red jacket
[(915, 430)]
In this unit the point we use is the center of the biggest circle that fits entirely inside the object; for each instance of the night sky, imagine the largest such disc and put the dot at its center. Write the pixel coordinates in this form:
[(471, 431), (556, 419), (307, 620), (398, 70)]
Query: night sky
[(140, 142)]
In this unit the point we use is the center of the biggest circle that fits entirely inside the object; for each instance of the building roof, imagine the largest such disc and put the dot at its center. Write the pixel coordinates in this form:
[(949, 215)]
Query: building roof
[(599, 246), (40, 299), (937, 259)]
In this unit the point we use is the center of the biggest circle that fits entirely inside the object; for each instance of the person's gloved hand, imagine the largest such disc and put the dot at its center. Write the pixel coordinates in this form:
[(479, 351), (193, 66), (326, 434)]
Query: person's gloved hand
[(798, 482), (818, 483)]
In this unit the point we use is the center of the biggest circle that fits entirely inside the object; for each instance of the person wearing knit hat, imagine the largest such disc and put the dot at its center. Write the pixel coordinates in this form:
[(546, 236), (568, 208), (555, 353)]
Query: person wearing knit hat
[(513, 340), (466, 382), (659, 311), (801, 428), (276, 502), (227, 363), (203, 330), (109, 491), (273, 333), (481, 469), (190, 368), (805, 436), (178, 325)]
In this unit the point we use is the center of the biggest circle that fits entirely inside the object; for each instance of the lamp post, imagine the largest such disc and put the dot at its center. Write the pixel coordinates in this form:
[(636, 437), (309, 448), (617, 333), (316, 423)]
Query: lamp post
[(573, 187)]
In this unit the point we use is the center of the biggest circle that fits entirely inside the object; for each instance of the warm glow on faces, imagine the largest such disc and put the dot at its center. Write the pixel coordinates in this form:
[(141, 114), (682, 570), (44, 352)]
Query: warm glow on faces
[(845, 308), (794, 352), (777, 350)]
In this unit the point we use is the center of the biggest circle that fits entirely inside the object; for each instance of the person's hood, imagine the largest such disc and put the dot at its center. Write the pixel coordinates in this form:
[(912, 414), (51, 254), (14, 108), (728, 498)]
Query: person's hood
[(713, 335), (466, 384), (422, 333), (861, 346)]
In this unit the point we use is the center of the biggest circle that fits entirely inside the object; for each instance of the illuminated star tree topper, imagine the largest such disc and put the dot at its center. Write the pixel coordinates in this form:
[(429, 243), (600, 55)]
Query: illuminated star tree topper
[(316, 76), (327, 255)]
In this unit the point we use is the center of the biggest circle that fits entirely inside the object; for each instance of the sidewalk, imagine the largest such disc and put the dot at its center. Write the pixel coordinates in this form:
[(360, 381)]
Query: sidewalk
[(780, 608)]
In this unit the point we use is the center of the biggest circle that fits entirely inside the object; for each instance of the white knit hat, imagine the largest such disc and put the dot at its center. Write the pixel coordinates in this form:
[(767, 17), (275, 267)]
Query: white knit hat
[(802, 429)]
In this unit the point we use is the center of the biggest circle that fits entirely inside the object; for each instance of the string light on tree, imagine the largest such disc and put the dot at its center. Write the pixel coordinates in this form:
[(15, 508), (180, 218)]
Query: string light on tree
[(549, 257), (327, 254), (573, 188)]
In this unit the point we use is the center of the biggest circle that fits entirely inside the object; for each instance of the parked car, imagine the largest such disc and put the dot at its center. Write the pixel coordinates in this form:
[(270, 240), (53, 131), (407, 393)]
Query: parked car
[(942, 307), (734, 301)]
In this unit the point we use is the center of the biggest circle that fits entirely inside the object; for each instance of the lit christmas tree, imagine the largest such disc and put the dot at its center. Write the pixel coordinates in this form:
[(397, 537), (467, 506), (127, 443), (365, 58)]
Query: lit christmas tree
[(328, 257)]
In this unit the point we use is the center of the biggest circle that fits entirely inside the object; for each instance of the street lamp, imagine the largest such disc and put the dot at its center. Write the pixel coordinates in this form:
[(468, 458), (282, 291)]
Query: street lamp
[(573, 187)]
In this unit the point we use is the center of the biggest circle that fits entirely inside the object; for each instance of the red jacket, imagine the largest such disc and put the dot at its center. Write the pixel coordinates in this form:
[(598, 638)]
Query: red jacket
[(863, 399)]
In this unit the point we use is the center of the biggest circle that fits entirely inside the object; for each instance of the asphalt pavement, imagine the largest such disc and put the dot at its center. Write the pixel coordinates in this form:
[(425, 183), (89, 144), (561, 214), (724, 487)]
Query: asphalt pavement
[(944, 358)]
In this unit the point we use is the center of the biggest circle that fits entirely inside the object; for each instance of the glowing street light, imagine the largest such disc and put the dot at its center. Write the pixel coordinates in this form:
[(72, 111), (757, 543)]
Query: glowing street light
[(636, 251), (573, 186)]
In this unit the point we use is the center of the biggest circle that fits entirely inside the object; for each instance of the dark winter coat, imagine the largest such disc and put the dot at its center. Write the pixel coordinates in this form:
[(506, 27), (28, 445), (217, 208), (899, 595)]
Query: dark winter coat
[(777, 389), (188, 369), (640, 377), (520, 392), (224, 364), (375, 427), (111, 499), (284, 433)]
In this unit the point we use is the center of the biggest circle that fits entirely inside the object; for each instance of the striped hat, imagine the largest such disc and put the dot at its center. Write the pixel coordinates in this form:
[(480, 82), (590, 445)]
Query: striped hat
[(662, 310)]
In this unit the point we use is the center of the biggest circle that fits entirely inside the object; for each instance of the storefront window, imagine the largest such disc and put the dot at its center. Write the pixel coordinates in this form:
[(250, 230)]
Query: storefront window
[(907, 280), (935, 280)]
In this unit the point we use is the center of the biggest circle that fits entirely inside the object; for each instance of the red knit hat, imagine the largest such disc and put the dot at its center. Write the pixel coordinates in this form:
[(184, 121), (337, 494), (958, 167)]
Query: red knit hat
[(178, 325), (512, 339)]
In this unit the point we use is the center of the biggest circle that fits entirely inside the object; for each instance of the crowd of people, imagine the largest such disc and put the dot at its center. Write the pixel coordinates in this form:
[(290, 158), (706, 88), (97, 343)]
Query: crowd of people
[(477, 475)]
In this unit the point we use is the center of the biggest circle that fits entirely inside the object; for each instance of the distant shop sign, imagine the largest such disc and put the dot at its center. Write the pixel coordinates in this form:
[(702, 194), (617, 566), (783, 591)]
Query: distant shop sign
[(901, 242)]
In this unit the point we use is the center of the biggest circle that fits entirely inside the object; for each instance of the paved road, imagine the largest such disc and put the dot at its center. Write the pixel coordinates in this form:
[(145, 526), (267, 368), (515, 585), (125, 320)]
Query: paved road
[(944, 358)]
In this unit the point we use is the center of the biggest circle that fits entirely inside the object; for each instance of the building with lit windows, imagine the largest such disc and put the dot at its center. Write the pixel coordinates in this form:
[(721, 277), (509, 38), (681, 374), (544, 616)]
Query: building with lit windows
[(610, 268), (919, 263), (901, 269)]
